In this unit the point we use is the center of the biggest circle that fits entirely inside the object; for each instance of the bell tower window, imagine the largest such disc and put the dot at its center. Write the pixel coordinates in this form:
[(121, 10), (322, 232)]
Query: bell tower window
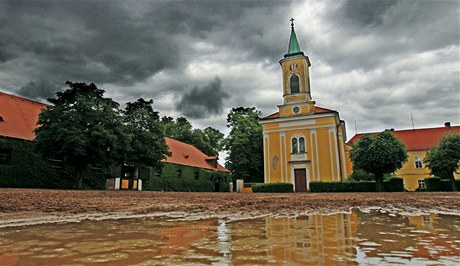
[(294, 82)]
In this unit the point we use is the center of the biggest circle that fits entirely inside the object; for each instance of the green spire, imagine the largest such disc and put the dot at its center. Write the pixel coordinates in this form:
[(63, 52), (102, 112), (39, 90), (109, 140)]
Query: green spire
[(294, 47)]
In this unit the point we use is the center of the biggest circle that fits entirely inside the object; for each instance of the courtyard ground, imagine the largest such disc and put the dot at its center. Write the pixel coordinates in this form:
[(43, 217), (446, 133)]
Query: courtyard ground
[(27, 206)]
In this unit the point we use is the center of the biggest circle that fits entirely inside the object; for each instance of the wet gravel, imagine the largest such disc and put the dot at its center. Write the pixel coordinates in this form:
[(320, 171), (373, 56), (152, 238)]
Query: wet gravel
[(35, 203)]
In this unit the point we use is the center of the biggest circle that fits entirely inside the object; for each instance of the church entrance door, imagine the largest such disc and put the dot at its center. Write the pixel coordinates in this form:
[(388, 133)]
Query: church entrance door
[(300, 180)]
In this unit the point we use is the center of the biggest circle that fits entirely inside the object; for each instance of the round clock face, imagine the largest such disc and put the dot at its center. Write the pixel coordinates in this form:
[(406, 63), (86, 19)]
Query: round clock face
[(296, 109), (293, 67)]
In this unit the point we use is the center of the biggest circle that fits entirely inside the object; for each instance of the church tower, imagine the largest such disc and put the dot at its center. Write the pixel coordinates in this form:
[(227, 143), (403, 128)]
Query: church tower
[(296, 80), (302, 142)]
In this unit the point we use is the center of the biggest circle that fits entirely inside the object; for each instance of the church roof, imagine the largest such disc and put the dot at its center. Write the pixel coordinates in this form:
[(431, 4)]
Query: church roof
[(18, 116), (187, 154), (318, 110), (421, 139), (294, 47)]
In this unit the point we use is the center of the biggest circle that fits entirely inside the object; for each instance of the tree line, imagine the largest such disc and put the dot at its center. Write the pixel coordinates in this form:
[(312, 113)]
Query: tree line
[(84, 129)]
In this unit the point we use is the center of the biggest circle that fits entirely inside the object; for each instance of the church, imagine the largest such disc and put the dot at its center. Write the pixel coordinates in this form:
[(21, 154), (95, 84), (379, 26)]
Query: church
[(302, 142)]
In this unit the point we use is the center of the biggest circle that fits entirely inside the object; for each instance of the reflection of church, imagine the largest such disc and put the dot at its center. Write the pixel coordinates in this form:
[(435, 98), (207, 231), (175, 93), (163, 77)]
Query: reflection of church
[(302, 142), (312, 240)]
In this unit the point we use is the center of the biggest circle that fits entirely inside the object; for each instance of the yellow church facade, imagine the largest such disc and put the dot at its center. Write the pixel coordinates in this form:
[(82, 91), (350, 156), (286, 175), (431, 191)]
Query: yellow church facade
[(302, 142)]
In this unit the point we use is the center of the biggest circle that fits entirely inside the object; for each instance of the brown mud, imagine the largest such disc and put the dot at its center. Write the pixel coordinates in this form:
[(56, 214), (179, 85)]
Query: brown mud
[(27, 206)]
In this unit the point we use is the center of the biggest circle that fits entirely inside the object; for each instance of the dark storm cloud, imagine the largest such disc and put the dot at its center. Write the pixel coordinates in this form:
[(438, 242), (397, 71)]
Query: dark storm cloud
[(374, 31), (116, 42), (367, 13), (203, 102), (371, 60), (40, 90)]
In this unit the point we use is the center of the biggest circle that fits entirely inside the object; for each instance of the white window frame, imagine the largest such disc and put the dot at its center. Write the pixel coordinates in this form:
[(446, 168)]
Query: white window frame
[(418, 162), (421, 183), (297, 137)]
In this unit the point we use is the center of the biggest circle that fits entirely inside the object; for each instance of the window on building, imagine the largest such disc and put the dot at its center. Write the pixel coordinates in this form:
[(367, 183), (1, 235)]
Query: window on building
[(197, 174), (418, 162), (298, 145), (5, 156), (55, 163), (158, 172), (295, 84), (301, 145), (179, 173), (294, 146), (421, 183)]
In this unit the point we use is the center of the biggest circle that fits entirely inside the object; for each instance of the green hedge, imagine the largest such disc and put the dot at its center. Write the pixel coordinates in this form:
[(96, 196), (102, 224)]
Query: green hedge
[(438, 184), (363, 186), (174, 177), (433, 183), (392, 185), (273, 188), (27, 169)]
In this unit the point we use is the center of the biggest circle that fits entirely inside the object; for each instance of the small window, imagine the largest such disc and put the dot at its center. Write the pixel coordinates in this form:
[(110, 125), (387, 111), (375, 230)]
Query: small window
[(301, 145), (179, 173), (294, 146), (197, 174), (95, 169), (5, 156), (418, 162), (295, 84), (421, 183), (158, 173)]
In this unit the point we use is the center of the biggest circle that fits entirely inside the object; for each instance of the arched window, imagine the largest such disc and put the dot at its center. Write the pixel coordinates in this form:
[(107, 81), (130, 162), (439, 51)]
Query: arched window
[(301, 145), (294, 146), (295, 86)]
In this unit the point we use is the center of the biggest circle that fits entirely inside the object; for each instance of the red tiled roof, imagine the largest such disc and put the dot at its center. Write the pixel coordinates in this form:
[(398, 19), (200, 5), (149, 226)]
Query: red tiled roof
[(318, 110), (18, 116), (187, 154), (416, 139)]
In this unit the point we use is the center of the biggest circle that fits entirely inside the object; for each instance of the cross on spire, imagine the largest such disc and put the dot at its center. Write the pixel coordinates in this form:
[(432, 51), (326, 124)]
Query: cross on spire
[(292, 22)]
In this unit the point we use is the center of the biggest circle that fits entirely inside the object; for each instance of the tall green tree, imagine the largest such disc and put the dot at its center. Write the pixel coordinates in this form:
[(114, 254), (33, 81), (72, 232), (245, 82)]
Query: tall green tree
[(147, 146), (82, 128), (379, 154), (444, 159), (215, 138), (208, 141), (180, 129), (244, 144)]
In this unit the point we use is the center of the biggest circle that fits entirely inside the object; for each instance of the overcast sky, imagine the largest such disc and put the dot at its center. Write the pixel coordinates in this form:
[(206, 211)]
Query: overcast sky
[(376, 62)]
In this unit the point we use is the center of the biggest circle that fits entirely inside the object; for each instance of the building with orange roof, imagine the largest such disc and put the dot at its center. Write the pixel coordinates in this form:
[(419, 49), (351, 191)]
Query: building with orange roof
[(188, 155), (302, 142), (18, 120), (418, 142), (18, 116)]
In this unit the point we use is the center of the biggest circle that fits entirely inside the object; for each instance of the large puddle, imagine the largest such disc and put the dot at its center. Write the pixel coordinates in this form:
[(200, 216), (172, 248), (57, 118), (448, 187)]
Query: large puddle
[(373, 238)]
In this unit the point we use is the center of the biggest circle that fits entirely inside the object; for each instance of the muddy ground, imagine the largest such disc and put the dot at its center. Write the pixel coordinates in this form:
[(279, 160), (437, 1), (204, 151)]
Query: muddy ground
[(34, 204)]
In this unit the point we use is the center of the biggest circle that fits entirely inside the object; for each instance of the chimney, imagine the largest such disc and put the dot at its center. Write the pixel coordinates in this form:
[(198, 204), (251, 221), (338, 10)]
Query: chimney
[(447, 125)]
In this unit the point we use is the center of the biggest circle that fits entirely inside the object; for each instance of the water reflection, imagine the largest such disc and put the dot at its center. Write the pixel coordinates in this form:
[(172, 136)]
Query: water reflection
[(345, 239)]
